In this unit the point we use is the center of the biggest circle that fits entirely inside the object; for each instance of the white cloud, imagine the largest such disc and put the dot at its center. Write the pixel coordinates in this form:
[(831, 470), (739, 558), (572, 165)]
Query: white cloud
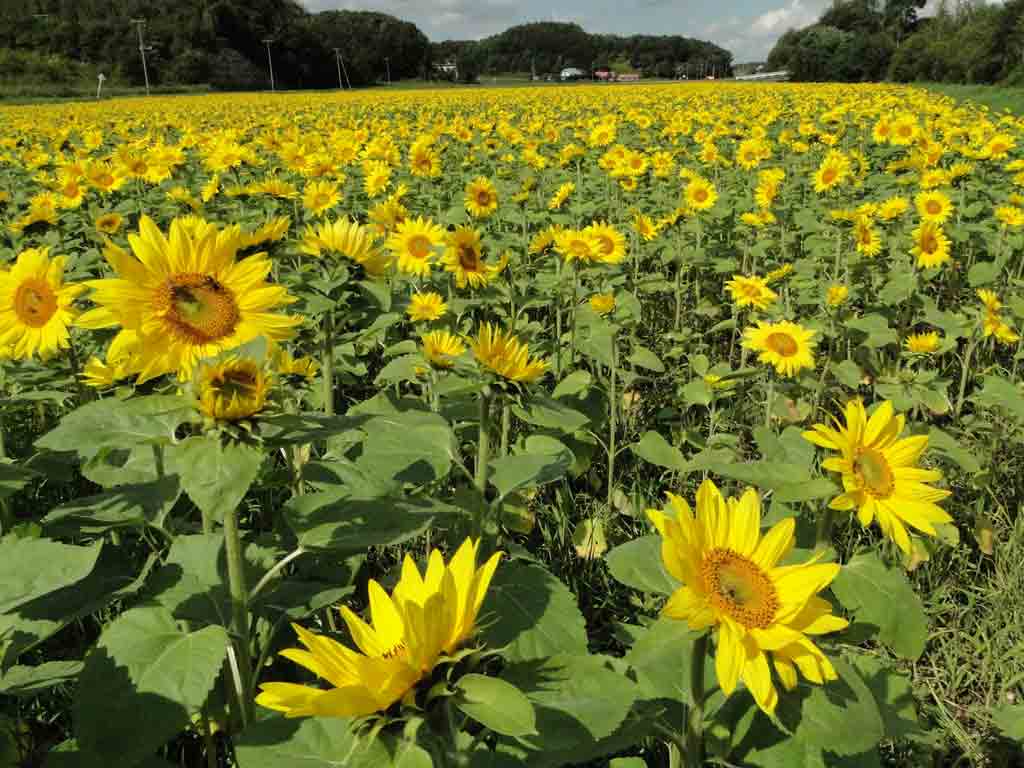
[(778, 20)]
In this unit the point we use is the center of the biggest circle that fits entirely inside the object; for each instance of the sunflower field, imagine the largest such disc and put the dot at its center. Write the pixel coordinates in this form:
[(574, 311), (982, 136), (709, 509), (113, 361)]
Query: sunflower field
[(656, 425)]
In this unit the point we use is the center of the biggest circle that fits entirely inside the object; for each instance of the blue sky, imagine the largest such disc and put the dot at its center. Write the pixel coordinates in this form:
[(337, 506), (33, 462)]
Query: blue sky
[(748, 28)]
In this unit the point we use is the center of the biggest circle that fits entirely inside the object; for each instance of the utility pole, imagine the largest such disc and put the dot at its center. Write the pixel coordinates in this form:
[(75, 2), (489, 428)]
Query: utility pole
[(270, 62), (142, 51), (387, 63), (341, 68)]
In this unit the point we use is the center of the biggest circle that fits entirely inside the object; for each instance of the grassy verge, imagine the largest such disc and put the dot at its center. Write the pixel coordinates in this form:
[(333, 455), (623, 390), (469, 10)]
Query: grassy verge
[(995, 97)]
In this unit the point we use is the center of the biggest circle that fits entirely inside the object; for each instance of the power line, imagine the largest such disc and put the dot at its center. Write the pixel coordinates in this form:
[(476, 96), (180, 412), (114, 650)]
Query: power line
[(142, 51), (341, 68), (270, 61)]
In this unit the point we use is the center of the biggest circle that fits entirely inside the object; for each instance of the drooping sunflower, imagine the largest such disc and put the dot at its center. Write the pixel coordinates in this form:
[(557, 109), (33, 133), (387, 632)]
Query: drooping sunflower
[(231, 389), (425, 617), (700, 195), (440, 348), (504, 354), (880, 472), (36, 306), (185, 298), (109, 223), (463, 257), (732, 582), (922, 343), (610, 242), (426, 306), (787, 346), (933, 206), (751, 291), (931, 246), (603, 303), (413, 243), (561, 195), (350, 240), (481, 198)]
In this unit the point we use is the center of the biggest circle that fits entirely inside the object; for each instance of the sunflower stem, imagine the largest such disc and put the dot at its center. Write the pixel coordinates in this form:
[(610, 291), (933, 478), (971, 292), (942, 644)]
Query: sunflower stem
[(769, 400), (558, 319), (483, 456), (612, 420), (695, 718), (328, 363), (964, 373), (239, 612), (209, 742)]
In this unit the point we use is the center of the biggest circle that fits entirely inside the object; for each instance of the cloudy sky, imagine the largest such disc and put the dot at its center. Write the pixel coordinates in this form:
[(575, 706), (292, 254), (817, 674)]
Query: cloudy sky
[(748, 28)]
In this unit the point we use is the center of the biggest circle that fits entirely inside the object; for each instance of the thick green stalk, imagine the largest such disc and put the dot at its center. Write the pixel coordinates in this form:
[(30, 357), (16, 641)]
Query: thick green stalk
[(695, 718), (558, 319), (328, 363), (239, 595), (483, 455), (613, 411)]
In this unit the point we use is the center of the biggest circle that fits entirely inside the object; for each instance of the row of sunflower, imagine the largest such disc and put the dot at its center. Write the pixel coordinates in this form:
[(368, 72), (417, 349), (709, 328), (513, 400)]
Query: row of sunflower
[(412, 360)]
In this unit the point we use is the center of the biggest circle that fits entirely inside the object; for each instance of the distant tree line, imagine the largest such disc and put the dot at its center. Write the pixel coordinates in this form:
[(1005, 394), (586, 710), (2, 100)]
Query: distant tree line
[(215, 41), (220, 42), (548, 47), (862, 40)]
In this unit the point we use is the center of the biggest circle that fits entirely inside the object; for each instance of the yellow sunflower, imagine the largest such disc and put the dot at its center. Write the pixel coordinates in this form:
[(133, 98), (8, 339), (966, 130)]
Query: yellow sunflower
[(504, 354), (561, 195), (424, 618), (922, 343), (426, 306), (751, 292), (578, 245), (603, 303), (837, 295), (931, 246), (732, 582), (892, 208), (700, 195), (288, 366), (611, 243), (644, 226), (231, 389), (880, 476), (185, 298), (832, 172), (933, 207), (787, 346), (350, 240), (866, 238), (36, 306), (440, 348), (481, 198), (413, 243), (318, 197), (463, 258)]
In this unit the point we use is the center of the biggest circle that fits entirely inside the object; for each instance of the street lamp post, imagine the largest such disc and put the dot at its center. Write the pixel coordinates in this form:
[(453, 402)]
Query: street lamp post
[(270, 62), (142, 51)]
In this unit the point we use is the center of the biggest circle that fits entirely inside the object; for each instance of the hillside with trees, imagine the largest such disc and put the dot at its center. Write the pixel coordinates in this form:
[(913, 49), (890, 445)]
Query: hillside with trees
[(863, 40), (220, 43), (548, 47)]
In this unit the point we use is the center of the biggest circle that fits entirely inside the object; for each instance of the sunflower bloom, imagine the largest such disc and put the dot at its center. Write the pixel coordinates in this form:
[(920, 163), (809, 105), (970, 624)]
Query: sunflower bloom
[(350, 240), (931, 246), (413, 243), (561, 195), (183, 298), (424, 618), (922, 343), (318, 197), (879, 471), (440, 348), (481, 198), (426, 306), (732, 582), (36, 306), (933, 206), (700, 195), (611, 244), (109, 223), (603, 303), (463, 257), (504, 354), (837, 295), (231, 390), (786, 346), (751, 292)]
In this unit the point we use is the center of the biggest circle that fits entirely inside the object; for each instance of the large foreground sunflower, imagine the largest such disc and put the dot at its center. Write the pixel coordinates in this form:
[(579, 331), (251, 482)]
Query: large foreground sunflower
[(35, 305), (786, 346), (733, 583), (183, 298), (880, 473), (425, 617)]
